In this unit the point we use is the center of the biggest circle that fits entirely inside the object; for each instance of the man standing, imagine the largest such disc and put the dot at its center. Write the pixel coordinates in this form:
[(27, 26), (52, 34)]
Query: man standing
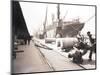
[(93, 45)]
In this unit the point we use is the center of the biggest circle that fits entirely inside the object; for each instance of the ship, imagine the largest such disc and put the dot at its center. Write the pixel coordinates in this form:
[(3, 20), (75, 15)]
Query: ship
[(61, 28)]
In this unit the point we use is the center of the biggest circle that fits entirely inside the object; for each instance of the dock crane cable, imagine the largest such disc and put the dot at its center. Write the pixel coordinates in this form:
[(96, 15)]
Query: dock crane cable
[(90, 18), (65, 15)]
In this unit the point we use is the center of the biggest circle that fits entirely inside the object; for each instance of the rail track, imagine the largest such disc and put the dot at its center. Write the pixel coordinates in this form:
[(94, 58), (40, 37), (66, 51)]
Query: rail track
[(48, 62), (51, 66)]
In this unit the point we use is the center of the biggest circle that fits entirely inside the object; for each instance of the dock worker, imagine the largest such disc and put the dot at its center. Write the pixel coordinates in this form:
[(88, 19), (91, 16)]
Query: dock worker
[(93, 45), (29, 39)]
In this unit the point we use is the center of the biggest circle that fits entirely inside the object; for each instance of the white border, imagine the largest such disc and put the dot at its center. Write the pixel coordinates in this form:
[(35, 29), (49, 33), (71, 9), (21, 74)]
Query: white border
[(5, 37)]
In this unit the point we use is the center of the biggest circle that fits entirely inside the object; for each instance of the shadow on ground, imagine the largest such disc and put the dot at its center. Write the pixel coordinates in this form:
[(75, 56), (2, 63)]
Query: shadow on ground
[(86, 61)]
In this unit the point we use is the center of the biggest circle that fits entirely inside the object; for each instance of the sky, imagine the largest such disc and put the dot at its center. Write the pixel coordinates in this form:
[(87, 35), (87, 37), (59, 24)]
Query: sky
[(34, 14)]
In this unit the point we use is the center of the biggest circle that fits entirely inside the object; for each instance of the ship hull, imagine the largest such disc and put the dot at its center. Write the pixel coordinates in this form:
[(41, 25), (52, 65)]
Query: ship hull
[(67, 30), (71, 30)]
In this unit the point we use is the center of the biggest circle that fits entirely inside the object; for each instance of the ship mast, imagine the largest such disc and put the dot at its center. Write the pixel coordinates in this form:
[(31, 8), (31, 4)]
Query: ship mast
[(59, 26), (44, 24), (58, 12)]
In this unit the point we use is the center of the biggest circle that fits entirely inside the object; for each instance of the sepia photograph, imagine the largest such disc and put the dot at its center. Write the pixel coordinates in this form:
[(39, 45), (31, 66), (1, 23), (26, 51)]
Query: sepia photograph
[(52, 37)]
